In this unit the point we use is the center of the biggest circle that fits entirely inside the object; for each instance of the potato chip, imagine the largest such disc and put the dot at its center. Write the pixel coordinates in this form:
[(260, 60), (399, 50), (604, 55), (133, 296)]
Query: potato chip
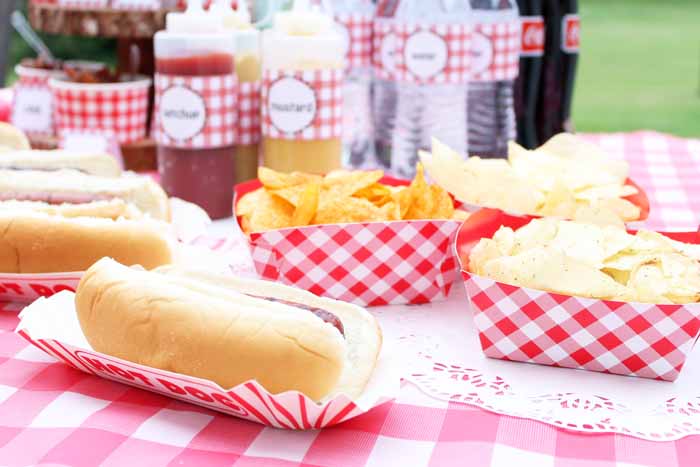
[(377, 194), (402, 197), (422, 202), (598, 215), (342, 210), (591, 261), (343, 184), (271, 212), (247, 203), (391, 211), (272, 179), (307, 205), (554, 180), (292, 194)]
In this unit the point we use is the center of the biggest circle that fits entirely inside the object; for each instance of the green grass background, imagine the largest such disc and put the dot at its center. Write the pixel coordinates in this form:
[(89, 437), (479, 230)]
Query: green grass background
[(639, 66)]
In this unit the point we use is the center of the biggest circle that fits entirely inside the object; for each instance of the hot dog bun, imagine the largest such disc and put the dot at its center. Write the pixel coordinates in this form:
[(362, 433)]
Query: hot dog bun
[(12, 137), (112, 209), (75, 187), (36, 242), (87, 162), (205, 326)]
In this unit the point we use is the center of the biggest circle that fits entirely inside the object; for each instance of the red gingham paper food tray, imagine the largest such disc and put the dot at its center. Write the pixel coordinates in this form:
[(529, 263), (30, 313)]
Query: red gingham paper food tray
[(526, 325), (367, 263), (52, 326), (189, 222)]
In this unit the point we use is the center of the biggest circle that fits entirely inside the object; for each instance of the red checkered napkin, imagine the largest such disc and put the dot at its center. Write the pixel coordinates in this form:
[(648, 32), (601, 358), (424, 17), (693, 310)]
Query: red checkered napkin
[(248, 119), (495, 51), (433, 54), (357, 31), (118, 107), (196, 112), (51, 326), (302, 105), (526, 325), (383, 48)]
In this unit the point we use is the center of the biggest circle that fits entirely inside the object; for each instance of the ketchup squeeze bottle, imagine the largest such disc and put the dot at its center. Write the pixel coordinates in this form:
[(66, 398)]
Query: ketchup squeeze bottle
[(196, 93), (248, 70), (302, 92)]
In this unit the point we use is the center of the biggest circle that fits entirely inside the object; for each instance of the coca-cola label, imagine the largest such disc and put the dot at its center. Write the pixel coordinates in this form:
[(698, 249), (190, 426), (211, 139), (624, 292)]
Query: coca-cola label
[(425, 54), (570, 29), (532, 36)]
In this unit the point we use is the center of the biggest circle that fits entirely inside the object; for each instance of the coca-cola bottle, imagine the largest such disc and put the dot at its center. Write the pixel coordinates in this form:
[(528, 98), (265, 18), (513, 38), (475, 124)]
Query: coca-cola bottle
[(569, 47), (494, 67), (528, 82), (551, 92)]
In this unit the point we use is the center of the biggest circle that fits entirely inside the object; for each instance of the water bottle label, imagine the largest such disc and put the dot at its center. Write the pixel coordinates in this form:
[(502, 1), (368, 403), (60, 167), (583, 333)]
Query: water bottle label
[(570, 29), (356, 31), (384, 49), (302, 105), (495, 51), (532, 36), (433, 54), (196, 111)]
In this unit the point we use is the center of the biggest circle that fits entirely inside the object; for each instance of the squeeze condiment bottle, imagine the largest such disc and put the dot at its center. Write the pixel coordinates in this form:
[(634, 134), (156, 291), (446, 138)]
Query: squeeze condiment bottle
[(196, 93), (248, 70), (302, 92)]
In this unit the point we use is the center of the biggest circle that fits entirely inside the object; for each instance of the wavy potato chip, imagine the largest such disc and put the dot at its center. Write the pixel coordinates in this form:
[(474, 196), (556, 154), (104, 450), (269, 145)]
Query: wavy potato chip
[(272, 179), (342, 210), (248, 202), (307, 205), (377, 194), (343, 184), (271, 212)]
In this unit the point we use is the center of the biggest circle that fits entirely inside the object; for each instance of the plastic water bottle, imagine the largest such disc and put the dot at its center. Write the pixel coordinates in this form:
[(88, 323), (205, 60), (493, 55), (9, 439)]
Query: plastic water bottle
[(354, 20), (494, 67), (432, 69), (384, 83)]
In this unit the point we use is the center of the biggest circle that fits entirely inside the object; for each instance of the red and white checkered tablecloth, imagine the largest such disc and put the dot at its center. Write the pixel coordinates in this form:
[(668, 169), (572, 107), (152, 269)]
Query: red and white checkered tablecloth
[(51, 414)]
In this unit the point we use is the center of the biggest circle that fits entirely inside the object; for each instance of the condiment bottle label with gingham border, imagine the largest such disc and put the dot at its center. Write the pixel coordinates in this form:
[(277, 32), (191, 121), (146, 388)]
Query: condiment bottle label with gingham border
[(196, 112), (302, 105), (495, 51)]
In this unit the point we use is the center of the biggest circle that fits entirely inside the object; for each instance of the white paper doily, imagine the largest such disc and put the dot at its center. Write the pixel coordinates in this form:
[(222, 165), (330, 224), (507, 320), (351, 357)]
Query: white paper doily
[(442, 357)]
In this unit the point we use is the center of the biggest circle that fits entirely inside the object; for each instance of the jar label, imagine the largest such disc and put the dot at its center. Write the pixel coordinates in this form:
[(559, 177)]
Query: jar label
[(196, 111), (32, 109), (302, 105), (383, 48), (433, 54)]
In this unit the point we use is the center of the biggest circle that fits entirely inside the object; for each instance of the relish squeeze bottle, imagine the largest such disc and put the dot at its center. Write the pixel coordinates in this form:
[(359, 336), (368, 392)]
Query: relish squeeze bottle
[(196, 93), (248, 70), (302, 92)]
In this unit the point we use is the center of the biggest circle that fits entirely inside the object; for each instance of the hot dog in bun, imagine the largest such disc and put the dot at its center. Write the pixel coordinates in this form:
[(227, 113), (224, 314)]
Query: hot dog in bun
[(228, 330), (93, 163)]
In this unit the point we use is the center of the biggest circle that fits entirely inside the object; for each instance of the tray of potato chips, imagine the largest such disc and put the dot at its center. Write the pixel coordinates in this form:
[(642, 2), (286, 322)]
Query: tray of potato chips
[(580, 295), (567, 177), (356, 236)]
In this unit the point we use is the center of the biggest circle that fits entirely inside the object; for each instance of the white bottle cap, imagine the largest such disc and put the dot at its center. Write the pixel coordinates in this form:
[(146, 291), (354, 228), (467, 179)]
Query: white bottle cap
[(194, 20)]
